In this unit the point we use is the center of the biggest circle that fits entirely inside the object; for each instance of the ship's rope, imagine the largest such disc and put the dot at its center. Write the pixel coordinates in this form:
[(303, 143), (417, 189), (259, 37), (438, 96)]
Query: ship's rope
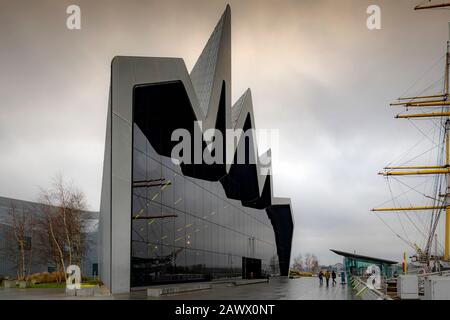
[(397, 213), (440, 178), (420, 155), (407, 241), (437, 185), (394, 232), (425, 109), (423, 133), (417, 191), (409, 217), (407, 152), (434, 65), (401, 194), (435, 217)]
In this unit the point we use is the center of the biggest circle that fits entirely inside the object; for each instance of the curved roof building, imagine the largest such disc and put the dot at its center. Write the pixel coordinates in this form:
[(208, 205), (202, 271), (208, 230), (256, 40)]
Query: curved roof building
[(163, 221)]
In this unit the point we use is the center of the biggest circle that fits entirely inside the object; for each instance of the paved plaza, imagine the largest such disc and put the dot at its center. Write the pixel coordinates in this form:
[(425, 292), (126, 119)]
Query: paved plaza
[(276, 289)]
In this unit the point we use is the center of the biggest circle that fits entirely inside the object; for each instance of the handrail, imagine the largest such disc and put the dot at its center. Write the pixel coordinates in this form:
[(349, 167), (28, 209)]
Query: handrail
[(361, 287), (439, 273)]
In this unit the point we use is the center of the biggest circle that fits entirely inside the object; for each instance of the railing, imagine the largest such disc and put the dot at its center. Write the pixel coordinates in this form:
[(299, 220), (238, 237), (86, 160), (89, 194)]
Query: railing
[(423, 275), (441, 273), (365, 292)]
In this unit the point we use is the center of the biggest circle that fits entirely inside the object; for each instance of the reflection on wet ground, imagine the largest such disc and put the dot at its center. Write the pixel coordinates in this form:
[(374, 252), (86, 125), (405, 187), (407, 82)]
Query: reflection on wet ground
[(276, 289)]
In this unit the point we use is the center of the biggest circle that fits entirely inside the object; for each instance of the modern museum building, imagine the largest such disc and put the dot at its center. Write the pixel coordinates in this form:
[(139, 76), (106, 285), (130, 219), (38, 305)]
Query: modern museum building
[(165, 222)]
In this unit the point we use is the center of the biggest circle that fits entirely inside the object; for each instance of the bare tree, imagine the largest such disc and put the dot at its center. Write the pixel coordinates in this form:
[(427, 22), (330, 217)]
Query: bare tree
[(51, 237), (19, 235), (311, 263), (62, 226), (298, 264)]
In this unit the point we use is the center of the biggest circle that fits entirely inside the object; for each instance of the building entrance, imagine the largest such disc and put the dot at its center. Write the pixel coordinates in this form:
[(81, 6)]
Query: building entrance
[(251, 268)]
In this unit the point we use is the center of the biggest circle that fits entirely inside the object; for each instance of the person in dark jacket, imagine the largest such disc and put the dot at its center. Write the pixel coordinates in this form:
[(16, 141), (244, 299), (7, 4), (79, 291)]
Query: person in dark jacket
[(333, 276), (343, 277), (321, 277)]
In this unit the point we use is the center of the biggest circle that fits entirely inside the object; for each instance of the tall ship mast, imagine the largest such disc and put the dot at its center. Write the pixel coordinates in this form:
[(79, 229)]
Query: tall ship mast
[(435, 107)]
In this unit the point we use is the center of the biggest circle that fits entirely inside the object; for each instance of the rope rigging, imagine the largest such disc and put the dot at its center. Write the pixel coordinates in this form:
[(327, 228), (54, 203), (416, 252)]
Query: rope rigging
[(438, 136)]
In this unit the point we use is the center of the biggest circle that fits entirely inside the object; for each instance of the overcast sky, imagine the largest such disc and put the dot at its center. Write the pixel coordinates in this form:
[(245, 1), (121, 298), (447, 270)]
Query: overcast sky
[(316, 73)]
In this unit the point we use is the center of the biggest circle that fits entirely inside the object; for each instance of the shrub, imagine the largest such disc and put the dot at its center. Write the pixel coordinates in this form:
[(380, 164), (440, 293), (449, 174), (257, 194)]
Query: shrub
[(45, 277)]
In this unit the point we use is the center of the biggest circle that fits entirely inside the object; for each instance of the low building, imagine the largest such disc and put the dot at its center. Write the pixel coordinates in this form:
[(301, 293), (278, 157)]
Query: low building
[(357, 265), (7, 266)]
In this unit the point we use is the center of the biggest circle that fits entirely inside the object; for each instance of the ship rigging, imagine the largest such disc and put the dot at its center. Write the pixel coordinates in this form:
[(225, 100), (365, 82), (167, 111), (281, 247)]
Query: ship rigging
[(435, 107)]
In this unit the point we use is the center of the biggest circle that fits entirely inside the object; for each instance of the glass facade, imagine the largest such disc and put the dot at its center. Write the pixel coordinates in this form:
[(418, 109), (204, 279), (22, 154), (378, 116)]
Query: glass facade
[(358, 267), (186, 229)]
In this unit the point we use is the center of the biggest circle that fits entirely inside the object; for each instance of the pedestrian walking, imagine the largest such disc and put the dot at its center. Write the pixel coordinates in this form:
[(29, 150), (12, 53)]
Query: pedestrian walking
[(327, 278), (321, 278), (343, 277), (333, 276)]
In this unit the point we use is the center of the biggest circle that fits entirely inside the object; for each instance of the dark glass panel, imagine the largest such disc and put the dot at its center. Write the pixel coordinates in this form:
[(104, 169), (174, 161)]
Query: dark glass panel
[(179, 259), (179, 192), (200, 234), (167, 188), (190, 197), (139, 140), (154, 170), (168, 219), (190, 232), (196, 230)]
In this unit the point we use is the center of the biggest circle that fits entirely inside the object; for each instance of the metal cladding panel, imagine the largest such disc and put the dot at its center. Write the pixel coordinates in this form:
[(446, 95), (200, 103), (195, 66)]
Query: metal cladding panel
[(237, 108), (121, 149), (104, 237), (121, 155), (121, 240), (213, 67), (122, 72), (121, 205)]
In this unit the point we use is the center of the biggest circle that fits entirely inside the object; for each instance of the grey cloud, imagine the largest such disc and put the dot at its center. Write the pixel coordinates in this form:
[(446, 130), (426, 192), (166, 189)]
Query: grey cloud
[(316, 73)]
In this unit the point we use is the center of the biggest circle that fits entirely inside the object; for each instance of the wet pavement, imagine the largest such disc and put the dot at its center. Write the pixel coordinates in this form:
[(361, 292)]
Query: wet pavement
[(276, 289)]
